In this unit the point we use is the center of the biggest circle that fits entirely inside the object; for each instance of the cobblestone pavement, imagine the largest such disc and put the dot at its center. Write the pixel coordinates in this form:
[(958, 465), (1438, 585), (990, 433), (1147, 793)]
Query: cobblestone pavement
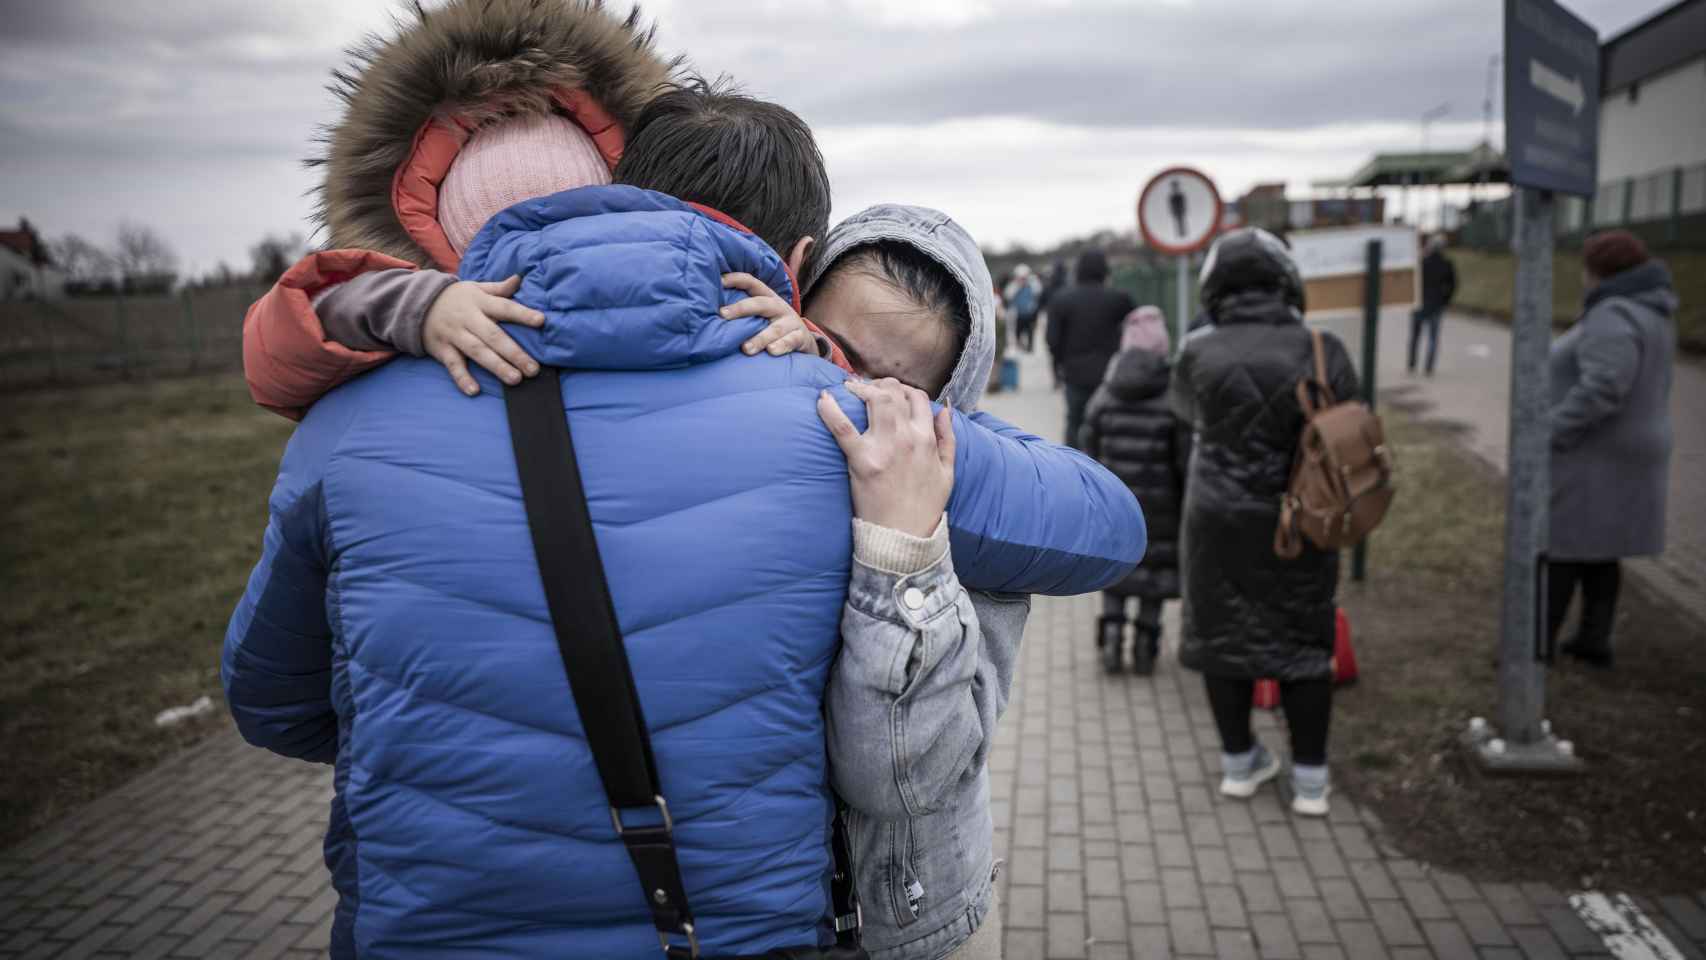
[(1117, 845)]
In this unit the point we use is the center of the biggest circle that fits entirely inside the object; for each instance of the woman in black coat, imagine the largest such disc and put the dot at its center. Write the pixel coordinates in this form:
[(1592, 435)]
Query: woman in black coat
[(1129, 426), (1249, 614)]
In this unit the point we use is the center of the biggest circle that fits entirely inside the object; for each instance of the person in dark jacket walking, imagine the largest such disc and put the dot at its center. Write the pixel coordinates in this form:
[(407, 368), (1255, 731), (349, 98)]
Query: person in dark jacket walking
[(1611, 435), (1249, 614), (1129, 426), (1439, 285), (1084, 323)]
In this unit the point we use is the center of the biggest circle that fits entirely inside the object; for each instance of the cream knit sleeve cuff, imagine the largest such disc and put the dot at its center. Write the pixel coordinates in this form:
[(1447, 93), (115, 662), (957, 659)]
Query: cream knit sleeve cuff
[(896, 553)]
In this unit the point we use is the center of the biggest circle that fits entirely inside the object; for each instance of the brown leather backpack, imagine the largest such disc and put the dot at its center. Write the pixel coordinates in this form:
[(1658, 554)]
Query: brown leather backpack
[(1341, 479)]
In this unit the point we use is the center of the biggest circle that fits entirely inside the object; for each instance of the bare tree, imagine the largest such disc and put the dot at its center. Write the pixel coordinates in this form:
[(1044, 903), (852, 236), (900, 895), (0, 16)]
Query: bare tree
[(82, 261), (141, 252), (271, 257)]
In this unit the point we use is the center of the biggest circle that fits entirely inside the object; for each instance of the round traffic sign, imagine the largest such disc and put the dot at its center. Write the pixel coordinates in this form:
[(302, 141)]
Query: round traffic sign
[(1179, 210)]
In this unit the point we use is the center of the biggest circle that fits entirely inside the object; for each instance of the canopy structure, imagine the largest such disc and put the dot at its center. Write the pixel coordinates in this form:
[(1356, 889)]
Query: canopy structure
[(1482, 164)]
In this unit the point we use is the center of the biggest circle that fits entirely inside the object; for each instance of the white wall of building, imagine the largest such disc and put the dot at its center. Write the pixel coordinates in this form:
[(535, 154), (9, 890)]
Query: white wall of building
[(1662, 126), (22, 280)]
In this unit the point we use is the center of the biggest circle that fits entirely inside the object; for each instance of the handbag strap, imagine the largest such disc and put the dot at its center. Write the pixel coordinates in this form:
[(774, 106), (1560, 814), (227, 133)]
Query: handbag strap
[(589, 639)]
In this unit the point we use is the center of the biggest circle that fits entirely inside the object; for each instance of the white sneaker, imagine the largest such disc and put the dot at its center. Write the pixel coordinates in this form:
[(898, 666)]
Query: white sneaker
[(1267, 766), (1310, 806)]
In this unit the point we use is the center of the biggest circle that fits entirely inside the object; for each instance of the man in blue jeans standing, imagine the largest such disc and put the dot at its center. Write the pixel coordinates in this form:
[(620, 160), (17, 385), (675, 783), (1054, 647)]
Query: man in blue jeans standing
[(1439, 284)]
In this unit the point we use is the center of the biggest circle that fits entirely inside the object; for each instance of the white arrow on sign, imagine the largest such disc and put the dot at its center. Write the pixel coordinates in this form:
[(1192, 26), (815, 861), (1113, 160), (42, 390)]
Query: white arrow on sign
[(1547, 80)]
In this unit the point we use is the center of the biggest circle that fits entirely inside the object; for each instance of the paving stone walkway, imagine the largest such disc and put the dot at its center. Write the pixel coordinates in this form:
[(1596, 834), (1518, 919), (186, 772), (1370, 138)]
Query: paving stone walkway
[(1116, 844)]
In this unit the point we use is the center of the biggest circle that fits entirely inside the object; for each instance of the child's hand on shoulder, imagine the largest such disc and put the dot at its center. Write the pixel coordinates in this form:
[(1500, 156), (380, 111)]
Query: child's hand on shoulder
[(462, 325), (787, 332)]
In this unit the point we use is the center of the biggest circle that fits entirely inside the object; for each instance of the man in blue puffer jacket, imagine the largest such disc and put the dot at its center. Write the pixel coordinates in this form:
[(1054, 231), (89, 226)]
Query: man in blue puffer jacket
[(396, 625)]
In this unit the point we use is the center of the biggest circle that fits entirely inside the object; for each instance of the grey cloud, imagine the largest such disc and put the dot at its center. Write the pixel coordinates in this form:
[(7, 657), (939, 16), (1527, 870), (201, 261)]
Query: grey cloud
[(120, 91), (1215, 63)]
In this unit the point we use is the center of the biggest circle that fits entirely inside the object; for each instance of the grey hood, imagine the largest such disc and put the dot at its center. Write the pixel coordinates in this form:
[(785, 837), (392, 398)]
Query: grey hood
[(946, 242)]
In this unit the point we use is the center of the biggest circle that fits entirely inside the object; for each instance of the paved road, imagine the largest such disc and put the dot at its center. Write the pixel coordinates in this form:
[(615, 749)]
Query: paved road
[(1471, 386), (1116, 843)]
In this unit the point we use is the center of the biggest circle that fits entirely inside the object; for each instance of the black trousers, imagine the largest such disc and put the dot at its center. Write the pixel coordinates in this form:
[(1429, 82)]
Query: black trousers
[(1308, 708), (1600, 582), (1148, 611), (1025, 330), (1077, 398)]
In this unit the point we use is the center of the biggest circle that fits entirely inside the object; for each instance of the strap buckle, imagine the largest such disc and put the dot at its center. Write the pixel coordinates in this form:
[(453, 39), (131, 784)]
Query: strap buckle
[(663, 808), (692, 941)]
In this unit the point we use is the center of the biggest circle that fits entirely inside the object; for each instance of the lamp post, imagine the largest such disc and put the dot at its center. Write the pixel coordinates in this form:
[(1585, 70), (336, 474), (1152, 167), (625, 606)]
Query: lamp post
[(1487, 120), (1427, 118)]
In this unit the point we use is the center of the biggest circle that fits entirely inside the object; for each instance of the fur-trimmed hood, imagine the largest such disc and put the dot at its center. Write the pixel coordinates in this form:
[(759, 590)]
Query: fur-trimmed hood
[(417, 95)]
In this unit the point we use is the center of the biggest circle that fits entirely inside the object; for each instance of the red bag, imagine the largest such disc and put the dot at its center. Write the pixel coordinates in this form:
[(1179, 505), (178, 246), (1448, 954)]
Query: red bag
[(1344, 664), (1344, 658), (1267, 694)]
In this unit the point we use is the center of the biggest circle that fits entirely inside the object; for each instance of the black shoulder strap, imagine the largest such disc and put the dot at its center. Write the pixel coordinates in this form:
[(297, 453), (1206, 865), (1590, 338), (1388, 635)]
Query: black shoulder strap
[(590, 641), (591, 644)]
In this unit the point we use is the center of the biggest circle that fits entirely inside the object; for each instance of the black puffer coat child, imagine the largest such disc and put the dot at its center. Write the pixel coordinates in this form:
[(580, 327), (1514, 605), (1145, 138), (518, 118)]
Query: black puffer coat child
[(1130, 427)]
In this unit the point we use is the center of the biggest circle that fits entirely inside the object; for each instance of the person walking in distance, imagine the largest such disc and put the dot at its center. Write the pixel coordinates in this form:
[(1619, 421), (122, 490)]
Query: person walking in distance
[(1130, 427), (1249, 613), (1439, 285), (1084, 327), (1023, 294), (1611, 435)]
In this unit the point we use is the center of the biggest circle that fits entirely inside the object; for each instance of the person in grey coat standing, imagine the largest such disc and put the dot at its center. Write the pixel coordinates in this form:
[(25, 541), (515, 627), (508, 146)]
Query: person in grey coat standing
[(1611, 435)]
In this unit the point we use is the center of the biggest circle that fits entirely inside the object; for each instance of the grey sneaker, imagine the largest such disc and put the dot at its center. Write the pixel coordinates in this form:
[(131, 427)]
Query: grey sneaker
[(1245, 781), (1309, 790)]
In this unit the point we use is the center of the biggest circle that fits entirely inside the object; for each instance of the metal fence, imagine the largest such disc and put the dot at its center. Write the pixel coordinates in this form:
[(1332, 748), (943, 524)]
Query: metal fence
[(1666, 208), (95, 339)]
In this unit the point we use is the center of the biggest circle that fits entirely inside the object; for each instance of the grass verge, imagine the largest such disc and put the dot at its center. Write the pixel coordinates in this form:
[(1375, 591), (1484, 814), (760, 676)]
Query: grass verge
[(1485, 281), (133, 514), (1426, 627)]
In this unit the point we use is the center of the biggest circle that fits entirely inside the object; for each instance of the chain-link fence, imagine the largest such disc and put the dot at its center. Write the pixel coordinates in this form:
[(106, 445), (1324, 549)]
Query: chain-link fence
[(1666, 208), (94, 339)]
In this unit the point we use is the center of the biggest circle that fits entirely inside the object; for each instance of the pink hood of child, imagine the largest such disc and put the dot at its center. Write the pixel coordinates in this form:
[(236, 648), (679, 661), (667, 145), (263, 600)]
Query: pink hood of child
[(1145, 329)]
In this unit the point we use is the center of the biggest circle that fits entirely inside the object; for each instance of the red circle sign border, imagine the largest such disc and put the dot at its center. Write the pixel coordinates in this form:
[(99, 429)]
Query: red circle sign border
[(1176, 250)]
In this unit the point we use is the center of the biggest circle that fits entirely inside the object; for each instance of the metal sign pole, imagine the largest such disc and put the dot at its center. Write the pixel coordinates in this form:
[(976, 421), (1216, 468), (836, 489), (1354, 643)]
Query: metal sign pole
[(1522, 687), (1525, 743), (1181, 320), (1552, 72), (1370, 367)]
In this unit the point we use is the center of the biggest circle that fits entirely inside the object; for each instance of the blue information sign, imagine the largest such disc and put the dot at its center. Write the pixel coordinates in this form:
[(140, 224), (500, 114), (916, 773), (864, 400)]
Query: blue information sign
[(1551, 97)]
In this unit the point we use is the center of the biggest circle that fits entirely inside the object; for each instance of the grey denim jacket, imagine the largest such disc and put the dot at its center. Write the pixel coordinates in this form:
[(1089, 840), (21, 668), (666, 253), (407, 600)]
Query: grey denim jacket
[(913, 700), (916, 692)]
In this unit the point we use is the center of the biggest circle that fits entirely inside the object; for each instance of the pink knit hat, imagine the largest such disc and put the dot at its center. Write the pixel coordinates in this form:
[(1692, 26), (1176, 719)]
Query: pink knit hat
[(515, 159), (1145, 329)]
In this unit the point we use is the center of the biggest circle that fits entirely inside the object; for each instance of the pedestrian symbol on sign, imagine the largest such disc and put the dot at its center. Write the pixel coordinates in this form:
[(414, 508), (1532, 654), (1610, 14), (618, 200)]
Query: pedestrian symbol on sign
[(1177, 204)]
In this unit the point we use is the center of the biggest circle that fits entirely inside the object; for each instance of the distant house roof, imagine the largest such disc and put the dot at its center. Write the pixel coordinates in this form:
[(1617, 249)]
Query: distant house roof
[(1673, 36), (25, 242), (1395, 169)]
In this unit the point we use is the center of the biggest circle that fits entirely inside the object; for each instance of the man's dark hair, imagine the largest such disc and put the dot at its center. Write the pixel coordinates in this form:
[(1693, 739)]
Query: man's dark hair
[(915, 275), (702, 142), (1092, 267)]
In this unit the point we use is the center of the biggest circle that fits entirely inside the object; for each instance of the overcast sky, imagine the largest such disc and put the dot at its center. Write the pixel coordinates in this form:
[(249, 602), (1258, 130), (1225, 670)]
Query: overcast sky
[(1028, 120)]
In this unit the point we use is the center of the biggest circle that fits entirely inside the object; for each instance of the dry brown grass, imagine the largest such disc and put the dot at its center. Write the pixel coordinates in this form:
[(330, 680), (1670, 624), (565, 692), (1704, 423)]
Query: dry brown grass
[(133, 514), (1427, 627)]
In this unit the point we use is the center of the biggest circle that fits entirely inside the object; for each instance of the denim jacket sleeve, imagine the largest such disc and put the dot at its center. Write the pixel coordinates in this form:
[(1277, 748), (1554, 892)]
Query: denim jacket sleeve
[(923, 676)]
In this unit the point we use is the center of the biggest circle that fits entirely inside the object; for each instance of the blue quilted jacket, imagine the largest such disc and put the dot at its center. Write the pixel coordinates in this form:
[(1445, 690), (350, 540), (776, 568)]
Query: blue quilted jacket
[(396, 627)]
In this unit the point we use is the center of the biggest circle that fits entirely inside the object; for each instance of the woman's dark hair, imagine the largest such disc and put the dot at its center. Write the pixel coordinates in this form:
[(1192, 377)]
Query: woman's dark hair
[(702, 142), (915, 274), (1092, 267)]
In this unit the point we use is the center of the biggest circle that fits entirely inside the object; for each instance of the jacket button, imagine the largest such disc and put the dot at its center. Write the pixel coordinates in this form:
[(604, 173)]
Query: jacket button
[(913, 598)]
